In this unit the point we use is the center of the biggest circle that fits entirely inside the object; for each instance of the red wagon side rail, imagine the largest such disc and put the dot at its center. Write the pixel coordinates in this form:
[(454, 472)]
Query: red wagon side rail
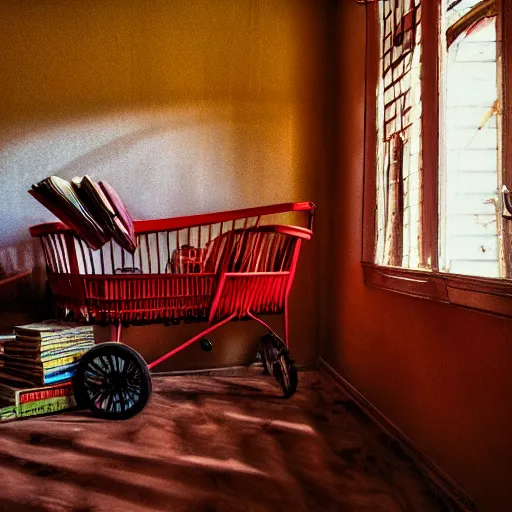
[(211, 267)]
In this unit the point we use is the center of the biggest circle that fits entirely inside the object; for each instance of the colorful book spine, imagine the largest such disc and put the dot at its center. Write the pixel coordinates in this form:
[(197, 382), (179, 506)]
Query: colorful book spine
[(63, 361), (59, 377), (47, 406), (34, 395), (80, 348), (37, 407)]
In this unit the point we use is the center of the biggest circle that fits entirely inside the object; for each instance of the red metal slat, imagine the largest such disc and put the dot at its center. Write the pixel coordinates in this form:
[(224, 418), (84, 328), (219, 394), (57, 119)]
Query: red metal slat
[(151, 226)]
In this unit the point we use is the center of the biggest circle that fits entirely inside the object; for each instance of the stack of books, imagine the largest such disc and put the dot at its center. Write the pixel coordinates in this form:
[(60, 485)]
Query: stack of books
[(36, 368)]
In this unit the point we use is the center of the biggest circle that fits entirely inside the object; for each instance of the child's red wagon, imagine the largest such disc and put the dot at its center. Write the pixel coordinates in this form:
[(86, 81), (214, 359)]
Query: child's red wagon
[(204, 268)]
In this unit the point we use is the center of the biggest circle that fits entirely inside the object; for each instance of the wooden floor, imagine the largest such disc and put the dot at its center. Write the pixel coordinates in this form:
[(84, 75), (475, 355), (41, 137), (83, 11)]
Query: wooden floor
[(211, 444)]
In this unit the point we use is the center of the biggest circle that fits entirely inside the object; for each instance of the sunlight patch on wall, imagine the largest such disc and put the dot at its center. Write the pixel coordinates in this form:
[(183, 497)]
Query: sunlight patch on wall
[(163, 162)]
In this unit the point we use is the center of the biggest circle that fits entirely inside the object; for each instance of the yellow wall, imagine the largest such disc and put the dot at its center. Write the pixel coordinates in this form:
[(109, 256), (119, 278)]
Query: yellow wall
[(186, 106), (441, 374)]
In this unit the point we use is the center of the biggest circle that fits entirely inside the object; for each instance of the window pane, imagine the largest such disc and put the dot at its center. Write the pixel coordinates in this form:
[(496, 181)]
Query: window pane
[(456, 9), (469, 242), (399, 132)]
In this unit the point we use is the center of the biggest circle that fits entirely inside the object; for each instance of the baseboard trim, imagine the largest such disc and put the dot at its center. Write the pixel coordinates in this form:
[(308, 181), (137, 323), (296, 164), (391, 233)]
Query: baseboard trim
[(445, 488)]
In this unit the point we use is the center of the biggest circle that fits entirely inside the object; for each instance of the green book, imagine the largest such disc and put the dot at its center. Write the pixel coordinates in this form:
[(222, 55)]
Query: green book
[(37, 408), (8, 413), (47, 406)]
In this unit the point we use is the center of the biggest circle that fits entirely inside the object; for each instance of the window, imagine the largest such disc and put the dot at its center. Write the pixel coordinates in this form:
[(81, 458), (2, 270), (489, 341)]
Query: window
[(435, 128), (470, 225)]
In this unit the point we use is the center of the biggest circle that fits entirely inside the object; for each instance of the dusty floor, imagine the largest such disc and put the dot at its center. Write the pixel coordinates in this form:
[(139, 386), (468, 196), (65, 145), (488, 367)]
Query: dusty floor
[(211, 444)]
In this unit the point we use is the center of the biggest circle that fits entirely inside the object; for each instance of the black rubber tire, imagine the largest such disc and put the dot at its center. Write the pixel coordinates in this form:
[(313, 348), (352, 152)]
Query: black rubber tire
[(113, 381), (265, 352), (277, 362)]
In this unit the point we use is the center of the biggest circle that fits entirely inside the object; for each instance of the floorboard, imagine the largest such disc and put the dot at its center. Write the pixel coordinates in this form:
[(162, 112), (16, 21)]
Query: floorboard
[(212, 443)]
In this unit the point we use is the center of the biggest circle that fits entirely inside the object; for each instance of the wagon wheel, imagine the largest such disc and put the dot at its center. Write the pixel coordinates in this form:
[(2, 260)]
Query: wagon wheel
[(278, 363), (112, 381)]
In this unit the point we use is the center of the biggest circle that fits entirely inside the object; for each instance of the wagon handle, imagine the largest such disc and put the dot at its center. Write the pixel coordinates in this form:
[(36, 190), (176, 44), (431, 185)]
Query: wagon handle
[(154, 225), (311, 216)]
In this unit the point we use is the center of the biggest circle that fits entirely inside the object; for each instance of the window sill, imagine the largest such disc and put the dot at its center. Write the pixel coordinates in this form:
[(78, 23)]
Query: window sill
[(492, 296)]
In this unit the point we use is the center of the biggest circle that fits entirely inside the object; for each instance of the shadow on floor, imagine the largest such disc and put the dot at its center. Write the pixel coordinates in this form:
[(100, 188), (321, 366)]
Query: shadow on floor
[(212, 444)]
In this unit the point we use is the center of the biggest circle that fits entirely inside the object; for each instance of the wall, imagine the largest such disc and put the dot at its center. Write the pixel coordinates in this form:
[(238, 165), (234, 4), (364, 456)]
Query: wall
[(440, 373), (185, 107)]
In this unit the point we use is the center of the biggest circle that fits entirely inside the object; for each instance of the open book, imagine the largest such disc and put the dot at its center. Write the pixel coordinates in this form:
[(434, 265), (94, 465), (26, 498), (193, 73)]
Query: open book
[(94, 211)]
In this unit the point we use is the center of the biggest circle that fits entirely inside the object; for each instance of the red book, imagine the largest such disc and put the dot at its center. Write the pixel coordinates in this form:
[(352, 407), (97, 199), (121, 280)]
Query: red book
[(123, 215)]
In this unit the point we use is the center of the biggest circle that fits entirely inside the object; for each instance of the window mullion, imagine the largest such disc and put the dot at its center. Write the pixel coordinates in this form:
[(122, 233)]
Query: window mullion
[(370, 163), (430, 136)]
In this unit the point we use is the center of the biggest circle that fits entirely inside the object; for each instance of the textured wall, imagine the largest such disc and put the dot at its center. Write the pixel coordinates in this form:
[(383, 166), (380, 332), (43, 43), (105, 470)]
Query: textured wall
[(440, 373), (184, 106)]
